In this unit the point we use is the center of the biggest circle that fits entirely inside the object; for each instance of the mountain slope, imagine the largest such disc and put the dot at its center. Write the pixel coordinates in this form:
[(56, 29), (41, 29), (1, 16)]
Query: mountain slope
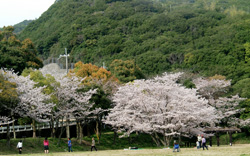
[(161, 35), (21, 26)]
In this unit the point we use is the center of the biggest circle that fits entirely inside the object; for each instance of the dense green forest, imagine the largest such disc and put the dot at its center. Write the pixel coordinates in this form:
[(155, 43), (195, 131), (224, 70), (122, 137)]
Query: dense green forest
[(16, 54), (20, 26), (207, 37)]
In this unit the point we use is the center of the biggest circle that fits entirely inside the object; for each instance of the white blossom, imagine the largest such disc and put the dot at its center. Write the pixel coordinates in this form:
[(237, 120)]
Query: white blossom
[(32, 101), (160, 105)]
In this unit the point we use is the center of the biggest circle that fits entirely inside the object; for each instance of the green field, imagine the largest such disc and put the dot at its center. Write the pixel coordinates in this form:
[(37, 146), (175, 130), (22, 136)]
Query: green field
[(241, 146), (236, 150)]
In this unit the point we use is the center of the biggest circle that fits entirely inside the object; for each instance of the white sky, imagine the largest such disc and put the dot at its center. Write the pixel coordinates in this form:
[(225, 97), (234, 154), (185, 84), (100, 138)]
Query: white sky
[(16, 11)]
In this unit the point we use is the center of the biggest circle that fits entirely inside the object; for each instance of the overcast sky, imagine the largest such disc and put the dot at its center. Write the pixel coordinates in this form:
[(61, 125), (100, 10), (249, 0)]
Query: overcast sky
[(16, 11)]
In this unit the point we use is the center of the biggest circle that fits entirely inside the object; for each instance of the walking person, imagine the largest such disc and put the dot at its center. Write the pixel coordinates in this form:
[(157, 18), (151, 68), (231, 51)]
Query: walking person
[(20, 146), (69, 145), (199, 140), (46, 145), (93, 144), (204, 143)]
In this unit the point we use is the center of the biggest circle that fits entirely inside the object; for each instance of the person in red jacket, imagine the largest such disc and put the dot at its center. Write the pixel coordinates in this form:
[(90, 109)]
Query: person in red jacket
[(46, 145)]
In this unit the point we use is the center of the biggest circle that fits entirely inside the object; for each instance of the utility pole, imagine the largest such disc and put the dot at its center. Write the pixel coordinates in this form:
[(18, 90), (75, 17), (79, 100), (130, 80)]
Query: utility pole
[(103, 65), (66, 56)]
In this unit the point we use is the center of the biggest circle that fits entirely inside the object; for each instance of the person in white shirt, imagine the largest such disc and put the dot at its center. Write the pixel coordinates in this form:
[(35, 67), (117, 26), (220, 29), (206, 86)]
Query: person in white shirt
[(20, 146), (199, 140), (197, 144)]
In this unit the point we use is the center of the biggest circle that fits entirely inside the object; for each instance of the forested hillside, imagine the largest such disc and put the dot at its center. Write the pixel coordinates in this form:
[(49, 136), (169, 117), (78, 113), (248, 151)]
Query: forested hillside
[(209, 37), (20, 26)]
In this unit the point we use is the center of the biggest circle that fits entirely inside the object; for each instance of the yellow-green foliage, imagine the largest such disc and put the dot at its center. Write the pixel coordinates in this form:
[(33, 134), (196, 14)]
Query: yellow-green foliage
[(233, 11), (217, 77), (8, 93), (48, 81), (15, 54)]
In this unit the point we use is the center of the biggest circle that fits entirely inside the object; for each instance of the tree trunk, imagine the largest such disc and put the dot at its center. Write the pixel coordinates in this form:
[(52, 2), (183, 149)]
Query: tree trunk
[(62, 131), (77, 130), (168, 138), (13, 126), (210, 141), (34, 128), (88, 130), (115, 135), (8, 135), (67, 127), (158, 138), (100, 131), (57, 126), (155, 140), (218, 139), (80, 133), (53, 131), (165, 139), (97, 131), (230, 138)]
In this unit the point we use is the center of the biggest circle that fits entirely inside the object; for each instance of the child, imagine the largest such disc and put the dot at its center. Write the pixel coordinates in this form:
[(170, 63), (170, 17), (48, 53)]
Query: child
[(19, 146), (46, 145), (197, 144)]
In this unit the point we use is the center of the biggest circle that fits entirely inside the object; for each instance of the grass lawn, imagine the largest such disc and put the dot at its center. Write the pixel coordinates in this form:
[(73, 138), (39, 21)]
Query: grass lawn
[(236, 150), (241, 147)]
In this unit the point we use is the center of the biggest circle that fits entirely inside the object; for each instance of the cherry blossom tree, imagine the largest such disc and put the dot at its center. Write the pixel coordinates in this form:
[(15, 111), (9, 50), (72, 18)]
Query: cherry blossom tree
[(8, 100), (83, 112), (227, 107), (32, 101), (5, 120), (162, 107), (212, 88), (73, 103)]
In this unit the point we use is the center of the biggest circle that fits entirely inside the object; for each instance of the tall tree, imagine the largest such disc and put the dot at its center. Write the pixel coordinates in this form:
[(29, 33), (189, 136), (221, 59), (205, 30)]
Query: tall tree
[(160, 106), (214, 89), (92, 73), (105, 83), (50, 84), (126, 71), (32, 101), (72, 102), (16, 54), (8, 99)]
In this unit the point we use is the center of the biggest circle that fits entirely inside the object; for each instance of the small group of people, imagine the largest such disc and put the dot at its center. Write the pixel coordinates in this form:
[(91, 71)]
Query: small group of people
[(201, 142), (46, 145), (70, 145)]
